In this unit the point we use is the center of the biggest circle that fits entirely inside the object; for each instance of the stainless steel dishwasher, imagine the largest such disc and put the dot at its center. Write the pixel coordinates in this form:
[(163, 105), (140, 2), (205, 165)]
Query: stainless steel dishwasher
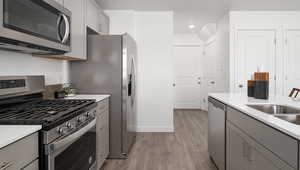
[(217, 132)]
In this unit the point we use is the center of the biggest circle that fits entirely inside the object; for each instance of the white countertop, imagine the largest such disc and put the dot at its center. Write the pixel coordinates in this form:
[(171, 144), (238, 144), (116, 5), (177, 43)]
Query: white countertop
[(12, 133), (96, 97), (239, 102)]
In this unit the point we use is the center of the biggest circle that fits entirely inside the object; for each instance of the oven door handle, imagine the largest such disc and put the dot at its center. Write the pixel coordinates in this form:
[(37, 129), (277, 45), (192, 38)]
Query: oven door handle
[(64, 143)]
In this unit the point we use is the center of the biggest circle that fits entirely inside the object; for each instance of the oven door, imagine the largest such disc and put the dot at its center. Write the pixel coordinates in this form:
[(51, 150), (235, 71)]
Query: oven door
[(40, 22), (74, 152)]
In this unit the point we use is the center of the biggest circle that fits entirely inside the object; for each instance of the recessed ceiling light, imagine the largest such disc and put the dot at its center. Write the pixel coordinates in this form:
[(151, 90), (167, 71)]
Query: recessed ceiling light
[(191, 26)]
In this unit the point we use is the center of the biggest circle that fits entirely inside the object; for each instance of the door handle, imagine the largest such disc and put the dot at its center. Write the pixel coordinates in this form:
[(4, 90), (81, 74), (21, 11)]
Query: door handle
[(212, 82), (199, 82), (241, 86), (174, 84)]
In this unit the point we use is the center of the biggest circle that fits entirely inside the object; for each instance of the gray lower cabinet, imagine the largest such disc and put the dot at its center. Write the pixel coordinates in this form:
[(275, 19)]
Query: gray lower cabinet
[(253, 145), (102, 130), (21, 155), (243, 153), (236, 159)]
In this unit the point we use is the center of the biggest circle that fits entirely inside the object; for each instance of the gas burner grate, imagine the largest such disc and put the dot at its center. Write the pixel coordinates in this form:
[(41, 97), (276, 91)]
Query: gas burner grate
[(42, 111)]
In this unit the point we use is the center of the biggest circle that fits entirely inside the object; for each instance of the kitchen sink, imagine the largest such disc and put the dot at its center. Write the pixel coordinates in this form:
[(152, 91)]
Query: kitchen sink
[(295, 119), (286, 113), (276, 109)]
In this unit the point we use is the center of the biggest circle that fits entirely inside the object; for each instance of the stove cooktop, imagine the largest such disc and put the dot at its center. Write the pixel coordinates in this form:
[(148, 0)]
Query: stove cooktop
[(47, 113)]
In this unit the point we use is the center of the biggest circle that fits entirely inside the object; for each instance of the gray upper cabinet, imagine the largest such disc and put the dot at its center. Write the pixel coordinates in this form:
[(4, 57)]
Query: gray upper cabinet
[(85, 13), (78, 28), (104, 23), (97, 20), (243, 153)]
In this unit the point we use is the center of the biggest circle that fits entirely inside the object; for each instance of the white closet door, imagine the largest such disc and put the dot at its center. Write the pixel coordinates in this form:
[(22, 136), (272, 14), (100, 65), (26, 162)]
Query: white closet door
[(187, 77), (254, 49), (292, 53)]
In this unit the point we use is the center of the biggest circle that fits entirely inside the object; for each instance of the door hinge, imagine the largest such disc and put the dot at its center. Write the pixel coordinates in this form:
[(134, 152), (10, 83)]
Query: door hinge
[(275, 78), (275, 41)]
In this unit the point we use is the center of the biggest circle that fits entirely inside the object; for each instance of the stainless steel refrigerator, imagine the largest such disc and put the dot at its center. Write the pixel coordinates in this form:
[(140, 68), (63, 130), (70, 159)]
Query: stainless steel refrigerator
[(110, 69)]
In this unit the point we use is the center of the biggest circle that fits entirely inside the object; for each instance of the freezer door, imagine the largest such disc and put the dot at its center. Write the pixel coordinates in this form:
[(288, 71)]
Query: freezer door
[(129, 93)]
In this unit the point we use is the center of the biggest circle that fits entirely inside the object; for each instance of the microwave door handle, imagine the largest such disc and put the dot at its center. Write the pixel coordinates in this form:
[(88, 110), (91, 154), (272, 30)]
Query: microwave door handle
[(64, 143), (59, 36), (67, 32)]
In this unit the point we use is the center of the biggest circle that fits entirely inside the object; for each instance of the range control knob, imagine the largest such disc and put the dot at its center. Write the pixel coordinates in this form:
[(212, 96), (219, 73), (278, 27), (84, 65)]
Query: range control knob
[(88, 114), (62, 130), (69, 125), (80, 119)]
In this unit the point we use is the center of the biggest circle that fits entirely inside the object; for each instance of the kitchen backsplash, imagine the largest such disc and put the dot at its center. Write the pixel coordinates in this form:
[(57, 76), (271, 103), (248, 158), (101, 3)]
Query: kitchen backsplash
[(55, 71)]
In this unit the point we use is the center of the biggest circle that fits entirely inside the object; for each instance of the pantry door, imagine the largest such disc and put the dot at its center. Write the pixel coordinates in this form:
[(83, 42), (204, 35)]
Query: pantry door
[(188, 77), (254, 50), (292, 53)]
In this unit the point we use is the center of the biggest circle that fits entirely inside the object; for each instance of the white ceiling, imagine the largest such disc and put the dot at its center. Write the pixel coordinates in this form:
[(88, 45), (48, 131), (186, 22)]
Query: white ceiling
[(198, 12)]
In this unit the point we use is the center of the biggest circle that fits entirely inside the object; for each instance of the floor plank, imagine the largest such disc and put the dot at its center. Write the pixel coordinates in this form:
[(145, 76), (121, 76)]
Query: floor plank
[(186, 149)]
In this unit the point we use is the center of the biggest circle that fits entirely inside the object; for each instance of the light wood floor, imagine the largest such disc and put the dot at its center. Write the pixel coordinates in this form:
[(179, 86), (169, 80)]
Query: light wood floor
[(186, 149)]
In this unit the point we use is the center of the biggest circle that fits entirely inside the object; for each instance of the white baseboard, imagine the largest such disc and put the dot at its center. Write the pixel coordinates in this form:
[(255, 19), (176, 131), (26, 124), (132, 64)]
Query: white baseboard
[(168, 129)]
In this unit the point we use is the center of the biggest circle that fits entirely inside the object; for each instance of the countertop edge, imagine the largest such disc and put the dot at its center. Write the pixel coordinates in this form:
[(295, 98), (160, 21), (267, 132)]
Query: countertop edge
[(285, 127), (30, 129)]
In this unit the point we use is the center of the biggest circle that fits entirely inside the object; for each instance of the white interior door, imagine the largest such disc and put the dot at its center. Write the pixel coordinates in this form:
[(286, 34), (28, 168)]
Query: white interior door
[(254, 49), (292, 52), (188, 77)]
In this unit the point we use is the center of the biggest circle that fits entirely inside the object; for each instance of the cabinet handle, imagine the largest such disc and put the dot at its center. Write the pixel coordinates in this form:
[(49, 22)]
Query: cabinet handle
[(251, 155), (5, 165), (245, 150)]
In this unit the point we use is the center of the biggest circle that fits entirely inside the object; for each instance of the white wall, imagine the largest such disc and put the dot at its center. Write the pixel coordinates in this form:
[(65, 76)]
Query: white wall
[(153, 32), (122, 21), (191, 39), (12, 63), (222, 54)]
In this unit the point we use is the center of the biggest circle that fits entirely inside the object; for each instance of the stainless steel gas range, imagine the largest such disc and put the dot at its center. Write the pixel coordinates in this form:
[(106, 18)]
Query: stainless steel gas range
[(68, 136)]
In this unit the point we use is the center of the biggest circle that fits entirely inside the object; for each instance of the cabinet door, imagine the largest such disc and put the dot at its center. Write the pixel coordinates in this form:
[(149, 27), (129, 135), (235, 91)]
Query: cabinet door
[(261, 158), (292, 53), (245, 153), (104, 22), (93, 21), (236, 150), (78, 28), (254, 49)]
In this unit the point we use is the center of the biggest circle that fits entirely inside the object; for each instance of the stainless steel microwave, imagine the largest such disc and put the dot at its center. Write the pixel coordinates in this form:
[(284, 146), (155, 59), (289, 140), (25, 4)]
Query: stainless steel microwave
[(39, 27)]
